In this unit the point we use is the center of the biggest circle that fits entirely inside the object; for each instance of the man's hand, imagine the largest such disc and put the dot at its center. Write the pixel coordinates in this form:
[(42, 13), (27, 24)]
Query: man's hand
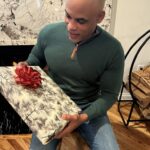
[(74, 122), (23, 63)]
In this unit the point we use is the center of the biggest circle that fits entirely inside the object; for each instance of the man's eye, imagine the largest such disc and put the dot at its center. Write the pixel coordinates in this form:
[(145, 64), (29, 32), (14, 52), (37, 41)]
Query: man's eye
[(68, 16), (81, 21)]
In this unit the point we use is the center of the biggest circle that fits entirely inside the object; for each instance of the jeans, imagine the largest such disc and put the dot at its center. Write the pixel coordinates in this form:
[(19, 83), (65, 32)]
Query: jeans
[(97, 133)]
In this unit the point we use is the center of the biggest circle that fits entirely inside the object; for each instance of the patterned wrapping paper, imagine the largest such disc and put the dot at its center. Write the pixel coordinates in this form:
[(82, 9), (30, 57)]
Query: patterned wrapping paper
[(41, 108)]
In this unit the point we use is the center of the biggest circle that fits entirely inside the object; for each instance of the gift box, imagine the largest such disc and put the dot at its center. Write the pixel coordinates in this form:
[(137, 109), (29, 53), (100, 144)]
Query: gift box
[(40, 108)]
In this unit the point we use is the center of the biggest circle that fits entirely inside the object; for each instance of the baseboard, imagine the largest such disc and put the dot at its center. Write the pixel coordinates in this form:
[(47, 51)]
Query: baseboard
[(126, 96)]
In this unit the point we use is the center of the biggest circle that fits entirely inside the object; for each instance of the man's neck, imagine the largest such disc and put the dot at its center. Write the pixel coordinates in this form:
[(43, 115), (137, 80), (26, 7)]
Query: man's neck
[(95, 33)]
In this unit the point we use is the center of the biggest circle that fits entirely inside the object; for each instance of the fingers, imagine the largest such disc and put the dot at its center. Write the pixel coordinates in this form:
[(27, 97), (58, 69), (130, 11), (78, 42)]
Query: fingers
[(23, 63), (71, 117), (75, 117), (14, 63), (74, 122), (68, 129)]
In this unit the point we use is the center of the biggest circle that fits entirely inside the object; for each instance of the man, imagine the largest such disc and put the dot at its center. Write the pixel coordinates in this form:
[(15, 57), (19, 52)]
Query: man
[(87, 63)]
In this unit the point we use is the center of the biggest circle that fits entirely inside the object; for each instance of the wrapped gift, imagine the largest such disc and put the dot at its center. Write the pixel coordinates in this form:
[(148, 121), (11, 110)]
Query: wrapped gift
[(41, 108)]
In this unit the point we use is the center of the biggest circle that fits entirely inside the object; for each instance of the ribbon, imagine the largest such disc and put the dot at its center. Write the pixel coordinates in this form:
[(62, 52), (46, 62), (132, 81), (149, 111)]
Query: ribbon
[(27, 76)]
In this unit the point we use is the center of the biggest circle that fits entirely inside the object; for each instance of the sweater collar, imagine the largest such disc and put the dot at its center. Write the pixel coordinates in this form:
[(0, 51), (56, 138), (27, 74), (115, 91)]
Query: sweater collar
[(95, 33), (74, 51)]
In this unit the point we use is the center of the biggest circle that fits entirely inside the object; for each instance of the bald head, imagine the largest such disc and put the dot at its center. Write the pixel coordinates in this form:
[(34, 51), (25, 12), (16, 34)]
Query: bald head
[(82, 17), (98, 4), (101, 4)]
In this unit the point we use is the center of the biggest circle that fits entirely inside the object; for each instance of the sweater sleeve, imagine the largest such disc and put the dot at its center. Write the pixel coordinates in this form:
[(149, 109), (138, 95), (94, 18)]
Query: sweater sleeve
[(110, 83), (36, 57)]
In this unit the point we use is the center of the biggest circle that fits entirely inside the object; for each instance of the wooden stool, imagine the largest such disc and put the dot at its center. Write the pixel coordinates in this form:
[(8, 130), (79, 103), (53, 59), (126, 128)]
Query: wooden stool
[(73, 142)]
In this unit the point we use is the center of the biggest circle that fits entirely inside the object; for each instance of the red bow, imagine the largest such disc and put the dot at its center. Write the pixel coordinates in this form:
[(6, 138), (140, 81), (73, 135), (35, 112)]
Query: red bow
[(27, 76)]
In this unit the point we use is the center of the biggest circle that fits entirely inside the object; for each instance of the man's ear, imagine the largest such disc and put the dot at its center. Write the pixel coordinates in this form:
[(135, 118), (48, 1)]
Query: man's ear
[(100, 16)]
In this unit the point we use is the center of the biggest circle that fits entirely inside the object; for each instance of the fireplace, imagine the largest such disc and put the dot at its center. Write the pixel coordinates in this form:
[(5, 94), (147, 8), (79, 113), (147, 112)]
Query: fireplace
[(10, 121)]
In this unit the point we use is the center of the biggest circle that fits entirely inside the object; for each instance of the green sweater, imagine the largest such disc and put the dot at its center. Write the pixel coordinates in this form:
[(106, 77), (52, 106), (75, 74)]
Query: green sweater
[(93, 78)]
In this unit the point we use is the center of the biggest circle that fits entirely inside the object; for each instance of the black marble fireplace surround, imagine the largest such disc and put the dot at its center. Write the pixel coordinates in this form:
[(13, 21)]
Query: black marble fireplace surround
[(10, 121)]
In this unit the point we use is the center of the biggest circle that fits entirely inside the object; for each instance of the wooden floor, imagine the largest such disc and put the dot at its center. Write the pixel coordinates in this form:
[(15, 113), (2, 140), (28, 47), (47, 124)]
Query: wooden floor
[(14, 142), (136, 136)]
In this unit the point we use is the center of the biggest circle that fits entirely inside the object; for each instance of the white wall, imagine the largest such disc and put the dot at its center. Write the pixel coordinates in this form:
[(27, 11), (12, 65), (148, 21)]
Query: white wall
[(132, 19)]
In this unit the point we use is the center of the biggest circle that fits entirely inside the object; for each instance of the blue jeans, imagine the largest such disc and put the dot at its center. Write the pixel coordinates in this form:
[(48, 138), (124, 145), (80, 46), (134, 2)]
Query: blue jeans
[(97, 133)]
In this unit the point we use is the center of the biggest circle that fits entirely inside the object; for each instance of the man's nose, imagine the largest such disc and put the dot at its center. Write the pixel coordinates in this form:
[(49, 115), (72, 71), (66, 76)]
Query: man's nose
[(72, 25)]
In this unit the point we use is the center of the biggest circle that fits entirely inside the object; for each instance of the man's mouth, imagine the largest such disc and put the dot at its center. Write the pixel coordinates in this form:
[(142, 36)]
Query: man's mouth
[(73, 35)]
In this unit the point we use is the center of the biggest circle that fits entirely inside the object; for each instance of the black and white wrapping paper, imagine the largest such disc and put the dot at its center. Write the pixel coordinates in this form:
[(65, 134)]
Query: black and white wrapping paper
[(41, 108)]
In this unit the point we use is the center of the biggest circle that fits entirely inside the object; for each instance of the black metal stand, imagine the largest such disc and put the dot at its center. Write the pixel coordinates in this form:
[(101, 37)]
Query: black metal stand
[(134, 99)]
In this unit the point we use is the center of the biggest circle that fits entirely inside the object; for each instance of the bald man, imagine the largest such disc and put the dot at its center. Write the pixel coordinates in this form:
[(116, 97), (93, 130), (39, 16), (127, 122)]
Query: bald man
[(87, 63)]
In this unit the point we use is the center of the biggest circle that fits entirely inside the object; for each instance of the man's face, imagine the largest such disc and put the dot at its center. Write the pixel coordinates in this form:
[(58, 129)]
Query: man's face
[(81, 19)]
